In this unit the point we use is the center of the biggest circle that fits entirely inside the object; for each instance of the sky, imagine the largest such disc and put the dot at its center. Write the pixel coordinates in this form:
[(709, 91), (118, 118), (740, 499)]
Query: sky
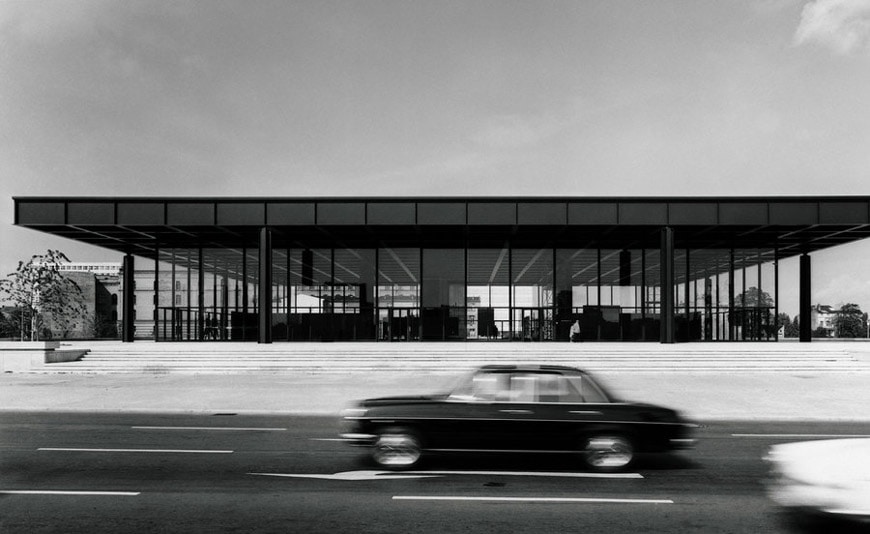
[(437, 97)]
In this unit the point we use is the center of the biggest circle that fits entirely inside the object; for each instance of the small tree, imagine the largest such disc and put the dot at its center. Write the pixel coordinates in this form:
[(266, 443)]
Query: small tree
[(793, 329), (8, 328), (850, 321), (783, 321), (754, 314), (39, 290)]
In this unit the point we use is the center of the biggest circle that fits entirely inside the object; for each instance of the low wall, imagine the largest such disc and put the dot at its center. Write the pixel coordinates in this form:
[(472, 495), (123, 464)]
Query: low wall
[(27, 356)]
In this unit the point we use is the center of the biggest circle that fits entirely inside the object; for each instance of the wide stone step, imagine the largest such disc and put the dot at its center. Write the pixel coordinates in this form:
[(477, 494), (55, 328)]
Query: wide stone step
[(445, 369), (341, 357)]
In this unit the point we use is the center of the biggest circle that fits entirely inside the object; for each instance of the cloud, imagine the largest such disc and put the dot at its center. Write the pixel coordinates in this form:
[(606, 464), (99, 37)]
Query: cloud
[(841, 25), (49, 22)]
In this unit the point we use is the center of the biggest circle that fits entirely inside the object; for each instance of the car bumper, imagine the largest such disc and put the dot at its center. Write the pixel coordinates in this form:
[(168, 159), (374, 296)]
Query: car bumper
[(819, 500)]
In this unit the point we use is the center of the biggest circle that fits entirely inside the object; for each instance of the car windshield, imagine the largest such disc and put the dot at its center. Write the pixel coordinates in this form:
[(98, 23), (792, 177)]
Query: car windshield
[(521, 386)]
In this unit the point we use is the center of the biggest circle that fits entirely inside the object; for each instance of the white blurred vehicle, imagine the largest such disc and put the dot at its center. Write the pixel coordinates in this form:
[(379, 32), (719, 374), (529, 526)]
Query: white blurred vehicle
[(826, 477)]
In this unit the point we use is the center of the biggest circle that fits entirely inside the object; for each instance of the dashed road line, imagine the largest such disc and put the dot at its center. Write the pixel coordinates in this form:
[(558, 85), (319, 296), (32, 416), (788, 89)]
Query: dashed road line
[(71, 492), (181, 451), (529, 499), (533, 474), (226, 428), (392, 475), (800, 435)]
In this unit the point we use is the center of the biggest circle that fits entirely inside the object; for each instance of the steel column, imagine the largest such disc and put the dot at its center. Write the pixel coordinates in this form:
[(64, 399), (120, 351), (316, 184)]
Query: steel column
[(128, 327), (806, 302), (667, 285), (264, 303)]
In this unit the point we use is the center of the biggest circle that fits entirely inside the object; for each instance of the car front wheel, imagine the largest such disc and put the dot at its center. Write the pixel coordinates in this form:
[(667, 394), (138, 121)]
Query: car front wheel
[(608, 452), (397, 448)]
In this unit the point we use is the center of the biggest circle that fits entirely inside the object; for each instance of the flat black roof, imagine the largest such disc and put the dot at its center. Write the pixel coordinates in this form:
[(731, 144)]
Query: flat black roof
[(789, 224)]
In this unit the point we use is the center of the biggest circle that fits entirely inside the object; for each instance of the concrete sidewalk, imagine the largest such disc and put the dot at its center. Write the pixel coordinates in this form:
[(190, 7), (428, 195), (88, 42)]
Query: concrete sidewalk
[(702, 396)]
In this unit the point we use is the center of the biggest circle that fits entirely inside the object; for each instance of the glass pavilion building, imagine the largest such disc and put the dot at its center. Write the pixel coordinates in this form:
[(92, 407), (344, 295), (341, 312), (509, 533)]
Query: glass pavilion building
[(457, 269)]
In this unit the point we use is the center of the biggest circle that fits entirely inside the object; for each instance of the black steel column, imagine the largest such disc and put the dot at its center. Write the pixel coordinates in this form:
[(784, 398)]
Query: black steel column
[(200, 296), (128, 326), (806, 301), (732, 327), (667, 285), (156, 290), (776, 291), (264, 303)]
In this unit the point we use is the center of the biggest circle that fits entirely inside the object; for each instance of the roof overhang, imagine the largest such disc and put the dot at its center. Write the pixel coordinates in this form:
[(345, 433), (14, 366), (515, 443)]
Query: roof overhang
[(786, 226)]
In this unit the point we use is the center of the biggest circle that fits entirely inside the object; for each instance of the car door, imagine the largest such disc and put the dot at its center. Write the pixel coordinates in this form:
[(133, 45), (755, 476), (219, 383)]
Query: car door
[(586, 409), (515, 419)]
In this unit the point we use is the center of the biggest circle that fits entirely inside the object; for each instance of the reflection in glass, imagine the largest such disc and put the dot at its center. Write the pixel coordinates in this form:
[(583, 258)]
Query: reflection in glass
[(443, 294), (488, 315), (532, 294), (398, 294)]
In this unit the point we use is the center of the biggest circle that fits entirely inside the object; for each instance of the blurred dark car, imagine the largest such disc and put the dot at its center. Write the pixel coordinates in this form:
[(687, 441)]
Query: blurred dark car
[(516, 408)]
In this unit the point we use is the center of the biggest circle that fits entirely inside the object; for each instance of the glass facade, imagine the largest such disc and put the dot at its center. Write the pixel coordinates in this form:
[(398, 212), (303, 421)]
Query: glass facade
[(406, 293)]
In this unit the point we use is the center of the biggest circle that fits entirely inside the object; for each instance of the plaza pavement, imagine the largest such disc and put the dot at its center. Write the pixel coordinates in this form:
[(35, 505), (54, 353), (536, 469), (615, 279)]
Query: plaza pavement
[(781, 395)]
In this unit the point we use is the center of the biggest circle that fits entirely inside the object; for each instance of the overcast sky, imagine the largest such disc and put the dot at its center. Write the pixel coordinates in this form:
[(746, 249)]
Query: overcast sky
[(436, 97)]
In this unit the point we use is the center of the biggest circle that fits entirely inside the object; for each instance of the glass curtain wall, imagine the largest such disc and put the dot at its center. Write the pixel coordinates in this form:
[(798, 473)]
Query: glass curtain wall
[(488, 282), (353, 298), (411, 294), (322, 294), (532, 295), (443, 295), (398, 294), (612, 294), (753, 313), (206, 294)]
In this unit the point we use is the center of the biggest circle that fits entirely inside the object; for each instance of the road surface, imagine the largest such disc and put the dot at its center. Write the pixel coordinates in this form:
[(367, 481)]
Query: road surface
[(63, 472)]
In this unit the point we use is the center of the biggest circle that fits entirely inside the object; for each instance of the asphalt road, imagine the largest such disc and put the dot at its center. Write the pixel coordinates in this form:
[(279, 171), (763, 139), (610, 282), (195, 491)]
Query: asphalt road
[(62, 472)]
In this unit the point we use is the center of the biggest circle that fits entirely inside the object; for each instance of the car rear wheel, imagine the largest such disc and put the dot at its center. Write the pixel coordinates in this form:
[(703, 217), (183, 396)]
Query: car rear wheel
[(608, 452), (397, 448)]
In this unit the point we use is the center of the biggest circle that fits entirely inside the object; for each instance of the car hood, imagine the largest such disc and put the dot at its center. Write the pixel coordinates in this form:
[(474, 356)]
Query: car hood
[(828, 462)]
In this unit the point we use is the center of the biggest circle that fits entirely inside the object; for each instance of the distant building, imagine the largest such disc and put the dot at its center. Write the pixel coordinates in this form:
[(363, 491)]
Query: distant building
[(111, 268), (108, 291), (824, 318)]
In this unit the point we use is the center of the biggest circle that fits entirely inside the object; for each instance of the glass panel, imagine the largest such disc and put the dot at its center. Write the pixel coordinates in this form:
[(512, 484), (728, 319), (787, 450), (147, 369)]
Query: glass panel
[(310, 294), (398, 294), (754, 306), (577, 288), (220, 312), (488, 298), (353, 294), (532, 294), (280, 294), (443, 294)]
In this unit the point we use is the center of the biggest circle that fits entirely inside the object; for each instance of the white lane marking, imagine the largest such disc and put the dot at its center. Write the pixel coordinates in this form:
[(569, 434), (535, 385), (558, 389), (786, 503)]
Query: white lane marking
[(350, 475), (391, 475), (231, 428), (70, 492), (534, 474), (529, 499), (190, 451), (800, 435)]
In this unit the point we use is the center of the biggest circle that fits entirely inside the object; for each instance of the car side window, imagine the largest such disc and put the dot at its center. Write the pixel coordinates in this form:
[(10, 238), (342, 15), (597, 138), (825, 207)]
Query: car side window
[(588, 390), (557, 388), (489, 386), (528, 387)]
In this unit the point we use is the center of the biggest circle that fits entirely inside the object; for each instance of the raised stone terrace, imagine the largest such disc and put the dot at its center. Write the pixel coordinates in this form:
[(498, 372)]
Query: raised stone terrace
[(216, 358)]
